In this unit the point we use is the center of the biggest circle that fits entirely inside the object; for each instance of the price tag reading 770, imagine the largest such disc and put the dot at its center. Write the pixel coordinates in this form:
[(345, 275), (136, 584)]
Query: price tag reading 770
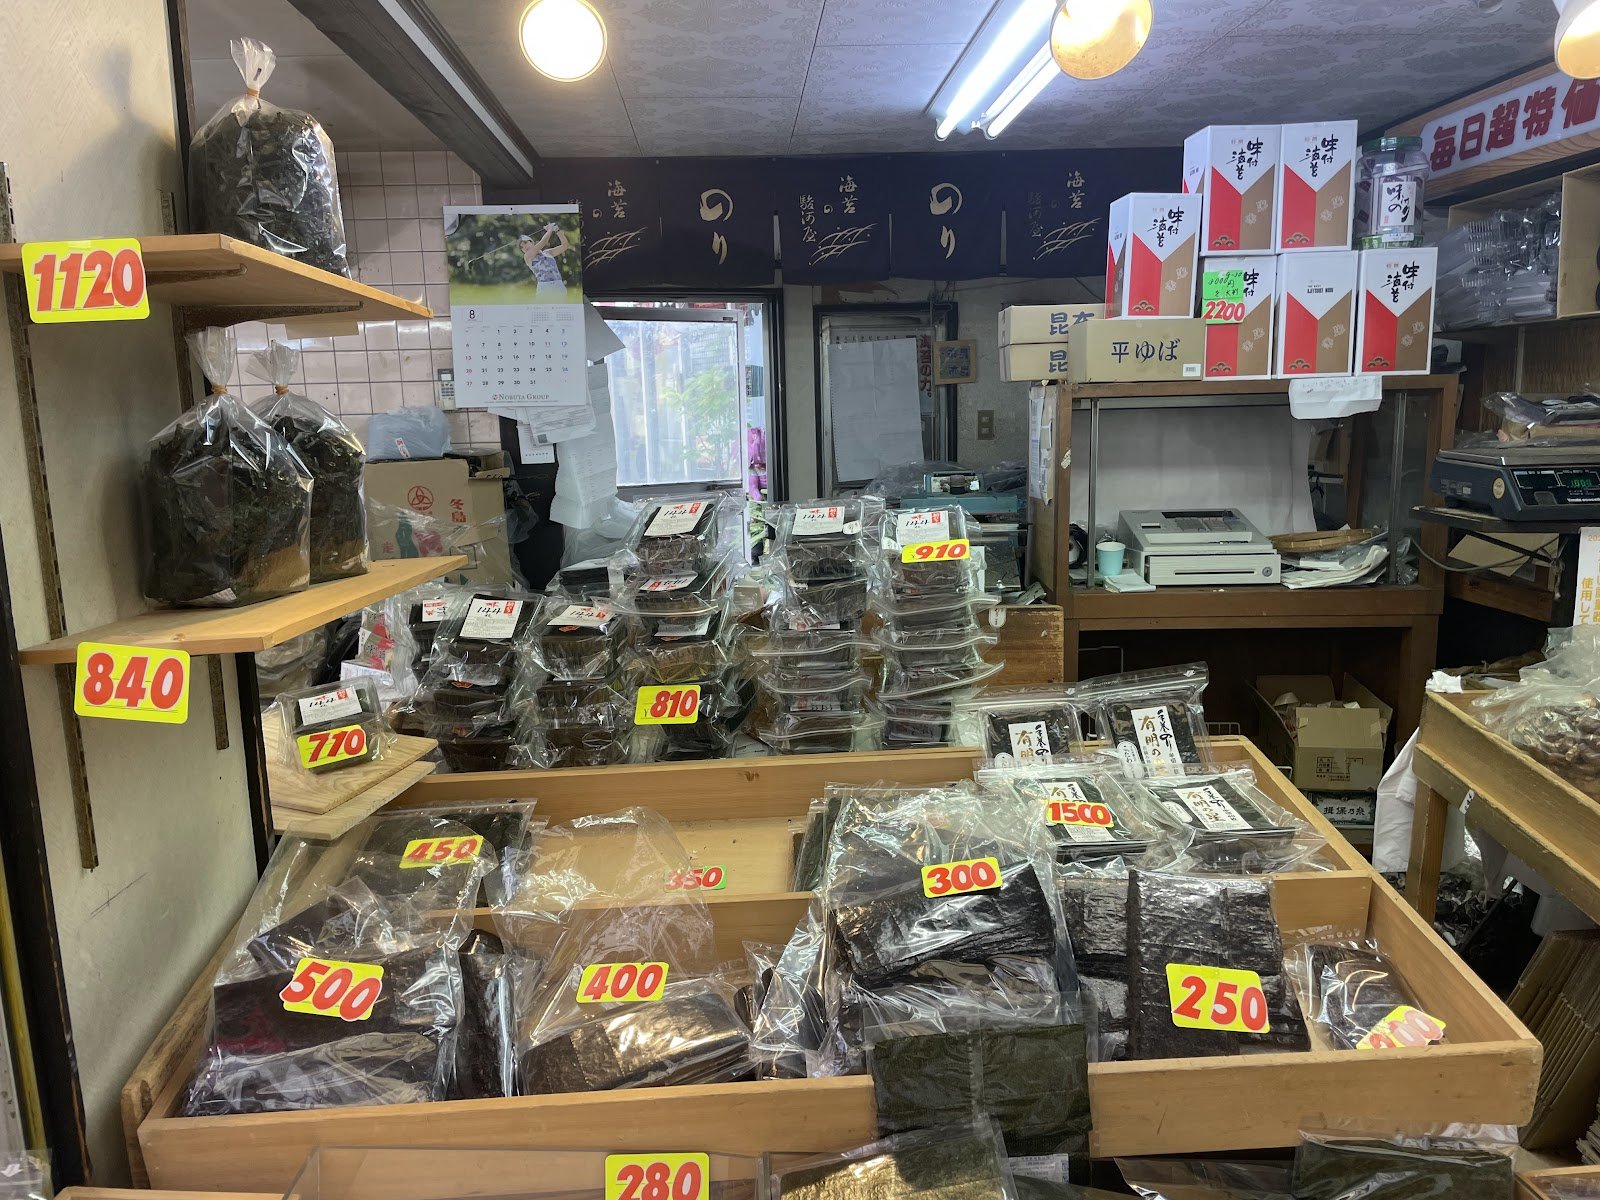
[(89, 280), (935, 551), (132, 683)]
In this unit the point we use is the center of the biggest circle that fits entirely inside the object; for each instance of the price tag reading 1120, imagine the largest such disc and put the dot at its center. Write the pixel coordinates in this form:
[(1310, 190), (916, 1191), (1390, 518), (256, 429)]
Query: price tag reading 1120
[(132, 683), (921, 552), (99, 280), (668, 705), (657, 1176)]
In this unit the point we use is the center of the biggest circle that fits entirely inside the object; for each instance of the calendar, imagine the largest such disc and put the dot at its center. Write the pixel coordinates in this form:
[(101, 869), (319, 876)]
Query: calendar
[(516, 308)]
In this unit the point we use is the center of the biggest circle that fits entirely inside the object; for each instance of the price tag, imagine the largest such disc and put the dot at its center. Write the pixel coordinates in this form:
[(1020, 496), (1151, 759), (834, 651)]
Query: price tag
[(709, 879), (326, 987), (668, 705), (440, 851), (1216, 998), (954, 878), (606, 983), (1222, 297), (1405, 1026), (132, 683), (329, 746), (657, 1176), (98, 279), (935, 551), (1080, 813)]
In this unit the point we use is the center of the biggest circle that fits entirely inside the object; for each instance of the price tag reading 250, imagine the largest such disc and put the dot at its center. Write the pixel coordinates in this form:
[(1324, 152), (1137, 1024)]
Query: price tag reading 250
[(326, 987), (657, 1176), (954, 878), (132, 683), (1216, 998), (668, 705), (955, 548), (99, 280), (613, 983)]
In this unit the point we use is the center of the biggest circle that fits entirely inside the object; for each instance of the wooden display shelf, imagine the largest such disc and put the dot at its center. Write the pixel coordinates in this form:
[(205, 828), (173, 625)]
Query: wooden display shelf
[(1538, 816), (1183, 388), (1379, 605), (252, 627), (219, 280), (1557, 1182)]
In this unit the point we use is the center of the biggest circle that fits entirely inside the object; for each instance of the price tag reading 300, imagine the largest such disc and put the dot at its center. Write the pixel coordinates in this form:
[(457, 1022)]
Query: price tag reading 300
[(132, 683), (954, 878), (657, 1176), (98, 280)]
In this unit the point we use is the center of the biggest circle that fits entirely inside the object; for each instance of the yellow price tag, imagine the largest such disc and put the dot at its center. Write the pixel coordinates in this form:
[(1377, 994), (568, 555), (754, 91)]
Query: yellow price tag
[(612, 983), (670, 705), (1404, 1027), (440, 852), (953, 878), (329, 746), (326, 987), (1216, 998), (132, 683), (93, 279), (922, 552), (657, 1176)]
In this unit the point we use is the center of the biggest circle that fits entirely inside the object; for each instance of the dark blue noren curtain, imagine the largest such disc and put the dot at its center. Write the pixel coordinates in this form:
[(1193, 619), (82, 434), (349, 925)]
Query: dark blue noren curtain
[(946, 220), (1057, 201), (716, 222), (833, 219), (621, 217)]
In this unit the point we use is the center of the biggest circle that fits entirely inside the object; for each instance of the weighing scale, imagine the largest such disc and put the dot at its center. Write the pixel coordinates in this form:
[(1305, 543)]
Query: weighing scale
[(1522, 483), (1197, 546)]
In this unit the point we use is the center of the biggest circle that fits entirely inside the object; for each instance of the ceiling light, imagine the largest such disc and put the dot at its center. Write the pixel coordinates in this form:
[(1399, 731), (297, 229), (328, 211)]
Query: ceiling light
[(1019, 93), (1091, 39), (1008, 39), (564, 39), (1578, 38)]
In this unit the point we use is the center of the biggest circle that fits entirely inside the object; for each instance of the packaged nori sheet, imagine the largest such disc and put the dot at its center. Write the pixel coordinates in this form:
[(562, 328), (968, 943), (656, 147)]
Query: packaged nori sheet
[(1351, 992), (1030, 1187), (1356, 1168), (1234, 826), (1206, 1179), (962, 1163), (380, 862), (813, 849), (1110, 1000), (484, 1057), (1203, 921), (1097, 920), (948, 997), (678, 536)]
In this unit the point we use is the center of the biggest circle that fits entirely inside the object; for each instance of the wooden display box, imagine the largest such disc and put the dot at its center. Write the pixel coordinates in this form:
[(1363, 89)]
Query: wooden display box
[(1486, 1073), (1558, 1183)]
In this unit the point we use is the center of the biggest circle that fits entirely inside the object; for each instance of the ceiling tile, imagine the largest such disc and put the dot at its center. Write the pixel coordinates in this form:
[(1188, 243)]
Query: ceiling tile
[(736, 124), (1526, 22), (689, 48), (865, 88), (900, 22)]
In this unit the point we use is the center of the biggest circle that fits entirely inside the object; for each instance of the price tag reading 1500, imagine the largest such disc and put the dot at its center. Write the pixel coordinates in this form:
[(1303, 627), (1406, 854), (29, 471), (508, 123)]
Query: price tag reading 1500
[(657, 1176), (921, 552), (98, 280), (132, 683)]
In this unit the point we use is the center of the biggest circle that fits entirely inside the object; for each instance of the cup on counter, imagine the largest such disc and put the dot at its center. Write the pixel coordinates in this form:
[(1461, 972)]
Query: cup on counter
[(1108, 557)]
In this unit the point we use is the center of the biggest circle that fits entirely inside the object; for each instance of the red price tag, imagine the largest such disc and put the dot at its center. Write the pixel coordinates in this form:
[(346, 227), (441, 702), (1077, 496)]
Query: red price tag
[(935, 551), (1404, 1027), (132, 683), (1216, 998), (605, 983), (657, 1176), (1074, 812), (326, 987), (710, 879), (667, 705), (88, 280), (328, 746), (954, 878), (440, 851)]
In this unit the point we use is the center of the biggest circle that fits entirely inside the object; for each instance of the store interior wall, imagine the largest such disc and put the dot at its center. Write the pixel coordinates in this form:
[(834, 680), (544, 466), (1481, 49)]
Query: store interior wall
[(170, 811)]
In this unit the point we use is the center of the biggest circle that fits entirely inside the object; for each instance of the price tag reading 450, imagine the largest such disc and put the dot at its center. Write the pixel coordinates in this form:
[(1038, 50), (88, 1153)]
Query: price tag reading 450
[(657, 1176), (132, 683), (668, 705), (440, 851), (611, 983), (1216, 998), (951, 879), (326, 987), (935, 551), (99, 280)]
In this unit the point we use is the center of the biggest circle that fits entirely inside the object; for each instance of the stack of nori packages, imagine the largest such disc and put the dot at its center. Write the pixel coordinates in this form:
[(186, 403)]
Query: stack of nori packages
[(821, 561), (1455, 1163), (479, 677), (265, 174), (1092, 816), (1153, 719), (1237, 828), (1352, 991), (1096, 909), (961, 1162), (595, 896), (332, 925), (580, 717), (227, 501), (1203, 921), (335, 458)]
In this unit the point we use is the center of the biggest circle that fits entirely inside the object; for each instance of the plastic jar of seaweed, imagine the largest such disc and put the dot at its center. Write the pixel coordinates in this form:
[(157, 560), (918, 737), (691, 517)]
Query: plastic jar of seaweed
[(1389, 193), (573, 641)]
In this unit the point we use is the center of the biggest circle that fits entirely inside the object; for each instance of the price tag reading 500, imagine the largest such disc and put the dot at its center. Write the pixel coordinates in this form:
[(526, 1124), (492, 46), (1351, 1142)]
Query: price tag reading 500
[(132, 683), (1404, 1027), (1216, 998), (951, 879), (668, 705), (99, 280), (657, 1176), (326, 987), (935, 551)]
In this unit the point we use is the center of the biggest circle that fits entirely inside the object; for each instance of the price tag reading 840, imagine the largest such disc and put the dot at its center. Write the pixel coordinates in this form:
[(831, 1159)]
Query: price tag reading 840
[(657, 1176), (132, 683), (326, 987), (1404, 1027), (922, 552), (100, 279), (954, 878), (1216, 998), (668, 705), (615, 983)]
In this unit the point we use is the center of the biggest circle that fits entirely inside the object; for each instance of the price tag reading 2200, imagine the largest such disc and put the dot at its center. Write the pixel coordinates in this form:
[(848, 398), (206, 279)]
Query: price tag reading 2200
[(657, 1176), (954, 878), (1216, 998), (920, 552)]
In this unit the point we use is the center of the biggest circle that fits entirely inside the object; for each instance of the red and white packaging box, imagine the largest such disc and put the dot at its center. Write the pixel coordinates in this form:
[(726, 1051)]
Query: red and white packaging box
[(1316, 186), (1243, 349), (1152, 248), (1316, 313), (1395, 329), (1235, 167)]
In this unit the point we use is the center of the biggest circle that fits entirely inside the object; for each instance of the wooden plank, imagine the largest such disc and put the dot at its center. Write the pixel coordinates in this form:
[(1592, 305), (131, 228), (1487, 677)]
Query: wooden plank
[(299, 792), (1390, 605), (252, 627), (1513, 596), (1539, 1185), (1430, 817), (100, 1193), (341, 820), (1032, 645), (1236, 387)]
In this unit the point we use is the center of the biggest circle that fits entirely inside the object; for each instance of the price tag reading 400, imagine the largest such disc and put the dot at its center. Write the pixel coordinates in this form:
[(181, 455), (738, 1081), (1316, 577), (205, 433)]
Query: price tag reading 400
[(610, 983), (657, 1176), (951, 879), (1217, 998), (132, 683), (326, 987), (935, 551), (440, 851), (99, 280), (668, 705)]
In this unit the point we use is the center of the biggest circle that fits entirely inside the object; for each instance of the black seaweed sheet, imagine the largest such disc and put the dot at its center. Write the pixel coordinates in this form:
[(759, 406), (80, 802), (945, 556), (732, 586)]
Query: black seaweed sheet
[(1373, 1169), (949, 997), (941, 1165), (484, 1056)]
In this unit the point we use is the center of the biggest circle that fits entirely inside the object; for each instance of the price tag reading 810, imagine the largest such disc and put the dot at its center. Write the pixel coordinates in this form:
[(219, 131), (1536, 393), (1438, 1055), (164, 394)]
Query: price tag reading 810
[(954, 878), (921, 552), (657, 1176), (132, 683), (615, 983), (668, 705), (1404, 1027), (1216, 998)]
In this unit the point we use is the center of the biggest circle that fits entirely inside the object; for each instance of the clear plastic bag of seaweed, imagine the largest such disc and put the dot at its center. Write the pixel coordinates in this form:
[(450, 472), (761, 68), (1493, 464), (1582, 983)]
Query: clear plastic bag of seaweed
[(1154, 719), (591, 726), (690, 720), (1237, 828), (227, 501), (791, 1020), (913, 723), (927, 553), (675, 536), (807, 648), (959, 1162), (681, 649), (682, 595), (575, 640), (335, 457), (1354, 1160), (950, 670), (1355, 997), (481, 665), (265, 174), (328, 728), (1090, 812), (821, 558), (1020, 726), (1206, 1179)]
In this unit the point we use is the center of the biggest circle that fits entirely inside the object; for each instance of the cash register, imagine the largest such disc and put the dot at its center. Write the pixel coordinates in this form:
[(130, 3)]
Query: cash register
[(1518, 482), (1197, 546)]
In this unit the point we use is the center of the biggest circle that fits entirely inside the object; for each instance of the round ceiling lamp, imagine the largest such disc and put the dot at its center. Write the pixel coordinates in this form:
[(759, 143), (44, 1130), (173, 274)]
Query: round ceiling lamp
[(563, 39), (1090, 39), (1578, 38)]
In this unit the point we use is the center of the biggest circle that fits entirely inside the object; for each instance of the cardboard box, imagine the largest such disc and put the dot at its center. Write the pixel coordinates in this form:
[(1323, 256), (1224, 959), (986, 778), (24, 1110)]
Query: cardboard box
[(1235, 168), (1031, 324), (1326, 749), (1316, 313), (1242, 348), (1316, 186), (1152, 246), (1030, 363), (1395, 311), (1136, 350), (440, 489)]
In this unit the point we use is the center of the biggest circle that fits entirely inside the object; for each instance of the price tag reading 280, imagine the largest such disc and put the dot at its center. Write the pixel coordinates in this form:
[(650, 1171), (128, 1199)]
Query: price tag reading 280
[(132, 683), (955, 548), (954, 878), (1216, 998), (612, 983), (657, 1176), (98, 280), (668, 705)]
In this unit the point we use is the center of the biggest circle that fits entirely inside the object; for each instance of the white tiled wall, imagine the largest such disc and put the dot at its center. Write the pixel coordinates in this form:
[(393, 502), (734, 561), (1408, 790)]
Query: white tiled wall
[(393, 205)]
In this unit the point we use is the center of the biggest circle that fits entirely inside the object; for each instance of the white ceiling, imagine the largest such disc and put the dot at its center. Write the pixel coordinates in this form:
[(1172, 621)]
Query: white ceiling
[(755, 77)]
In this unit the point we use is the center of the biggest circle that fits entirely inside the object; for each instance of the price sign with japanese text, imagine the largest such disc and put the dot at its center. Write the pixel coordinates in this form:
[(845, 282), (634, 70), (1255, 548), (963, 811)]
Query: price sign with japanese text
[(678, 705), (657, 1176), (440, 851), (1404, 1027), (1216, 998), (326, 987), (100, 279), (132, 683), (954, 878), (955, 548), (1222, 297), (611, 983)]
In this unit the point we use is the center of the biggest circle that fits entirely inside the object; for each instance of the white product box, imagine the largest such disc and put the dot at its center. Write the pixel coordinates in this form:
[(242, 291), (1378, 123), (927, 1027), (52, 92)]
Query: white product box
[(1395, 304), (1239, 346), (1153, 244), (1316, 313), (1317, 186), (1031, 363), (1028, 324), (1235, 167)]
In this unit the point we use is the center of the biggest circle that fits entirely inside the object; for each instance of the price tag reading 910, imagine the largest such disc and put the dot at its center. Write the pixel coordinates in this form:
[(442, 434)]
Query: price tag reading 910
[(657, 1176), (922, 552)]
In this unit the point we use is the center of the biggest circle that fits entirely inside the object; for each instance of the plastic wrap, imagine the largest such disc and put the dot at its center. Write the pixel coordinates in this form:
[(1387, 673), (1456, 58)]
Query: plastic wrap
[(1237, 828), (332, 726), (816, 711), (479, 671), (821, 559), (936, 669), (1553, 721), (1453, 1163), (791, 1019), (679, 537), (1045, 1177), (587, 723), (682, 595), (1154, 719), (681, 649), (1205, 1179), (804, 650), (1357, 998), (227, 501), (574, 641), (1089, 813), (298, 662), (25, 1175), (266, 174), (583, 581), (927, 553), (420, 432), (723, 703), (811, 854), (960, 1162), (947, 997), (908, 724), (1019, 726)]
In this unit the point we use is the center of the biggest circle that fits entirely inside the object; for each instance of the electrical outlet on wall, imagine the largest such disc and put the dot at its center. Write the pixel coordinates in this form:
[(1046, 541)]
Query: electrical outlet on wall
[(986, 424)]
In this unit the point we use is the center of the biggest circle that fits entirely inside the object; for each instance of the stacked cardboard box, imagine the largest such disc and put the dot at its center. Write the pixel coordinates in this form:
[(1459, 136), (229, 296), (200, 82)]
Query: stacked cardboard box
[(1558, 999), (1033, 339)]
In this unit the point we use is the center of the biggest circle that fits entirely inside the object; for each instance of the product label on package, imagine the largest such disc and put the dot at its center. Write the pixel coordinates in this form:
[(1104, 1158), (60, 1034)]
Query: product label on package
[(329, 746), (584, 616), (440, 852), (956, 548), (669, 705), (1216, 998), (131, 683), (955, 878), (1158, 747), (657, 1176), (326, 987), (1394, 205), (667, 583), (609, 983), (667, 631), (932, 525), (491, 620), (433, 611), (673, 519), (1030, 741), (1211, 808), (809, 522), (1404, 1027), (1081, 819), (709, 879), (330, 706)]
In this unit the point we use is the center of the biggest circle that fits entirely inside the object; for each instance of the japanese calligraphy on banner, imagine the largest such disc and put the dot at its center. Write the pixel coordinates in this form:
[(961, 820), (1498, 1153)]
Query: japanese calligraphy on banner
[(716, 221), (833, 219), (946, 223), (1057, 201), (1550, 109), (620, 204)]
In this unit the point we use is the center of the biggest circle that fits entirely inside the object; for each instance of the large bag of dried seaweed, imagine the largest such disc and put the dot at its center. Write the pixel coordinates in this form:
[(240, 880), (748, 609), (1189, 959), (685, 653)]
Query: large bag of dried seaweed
[(335, 458), (1356, 997), (265, 174), (227, 501), (960, 1162), (1447, 1162)]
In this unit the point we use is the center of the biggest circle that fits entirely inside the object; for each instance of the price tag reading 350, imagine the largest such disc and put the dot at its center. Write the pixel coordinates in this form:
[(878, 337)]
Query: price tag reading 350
[(326, 987), (954, 878), (668, 705), (1216, 998), (98, 280), (920, 552), (657, 1176), (132, 683), (612, 983)]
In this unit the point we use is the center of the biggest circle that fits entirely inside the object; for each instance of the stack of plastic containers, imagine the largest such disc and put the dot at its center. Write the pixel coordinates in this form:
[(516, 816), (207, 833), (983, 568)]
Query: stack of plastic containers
[(580, 715), (479, 674)]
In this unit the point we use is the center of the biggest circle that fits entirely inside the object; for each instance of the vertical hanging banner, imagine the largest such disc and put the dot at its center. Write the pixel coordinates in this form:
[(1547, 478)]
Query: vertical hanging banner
[(946, 221), (620, 204), (716, 221), (1057, 202), (833, 219)]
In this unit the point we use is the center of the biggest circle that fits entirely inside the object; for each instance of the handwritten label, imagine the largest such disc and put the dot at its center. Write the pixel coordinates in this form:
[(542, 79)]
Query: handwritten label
[(1216, 998), (811, 522), (491, 620), (586, 616), (1157, 745), (930, 525), (1211, 808), (607, 983), (326, 987), (99, 279), (673, 519), (1030, 741), (955, 878), (132, 683), (330, 705)]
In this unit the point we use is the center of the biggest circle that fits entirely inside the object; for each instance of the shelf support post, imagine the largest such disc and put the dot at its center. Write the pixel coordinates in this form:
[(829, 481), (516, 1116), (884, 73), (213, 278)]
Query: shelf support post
[(255, 757)]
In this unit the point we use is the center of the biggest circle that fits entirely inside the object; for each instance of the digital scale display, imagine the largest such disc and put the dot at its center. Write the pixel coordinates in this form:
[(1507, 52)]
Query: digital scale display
[(1558, 485)]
